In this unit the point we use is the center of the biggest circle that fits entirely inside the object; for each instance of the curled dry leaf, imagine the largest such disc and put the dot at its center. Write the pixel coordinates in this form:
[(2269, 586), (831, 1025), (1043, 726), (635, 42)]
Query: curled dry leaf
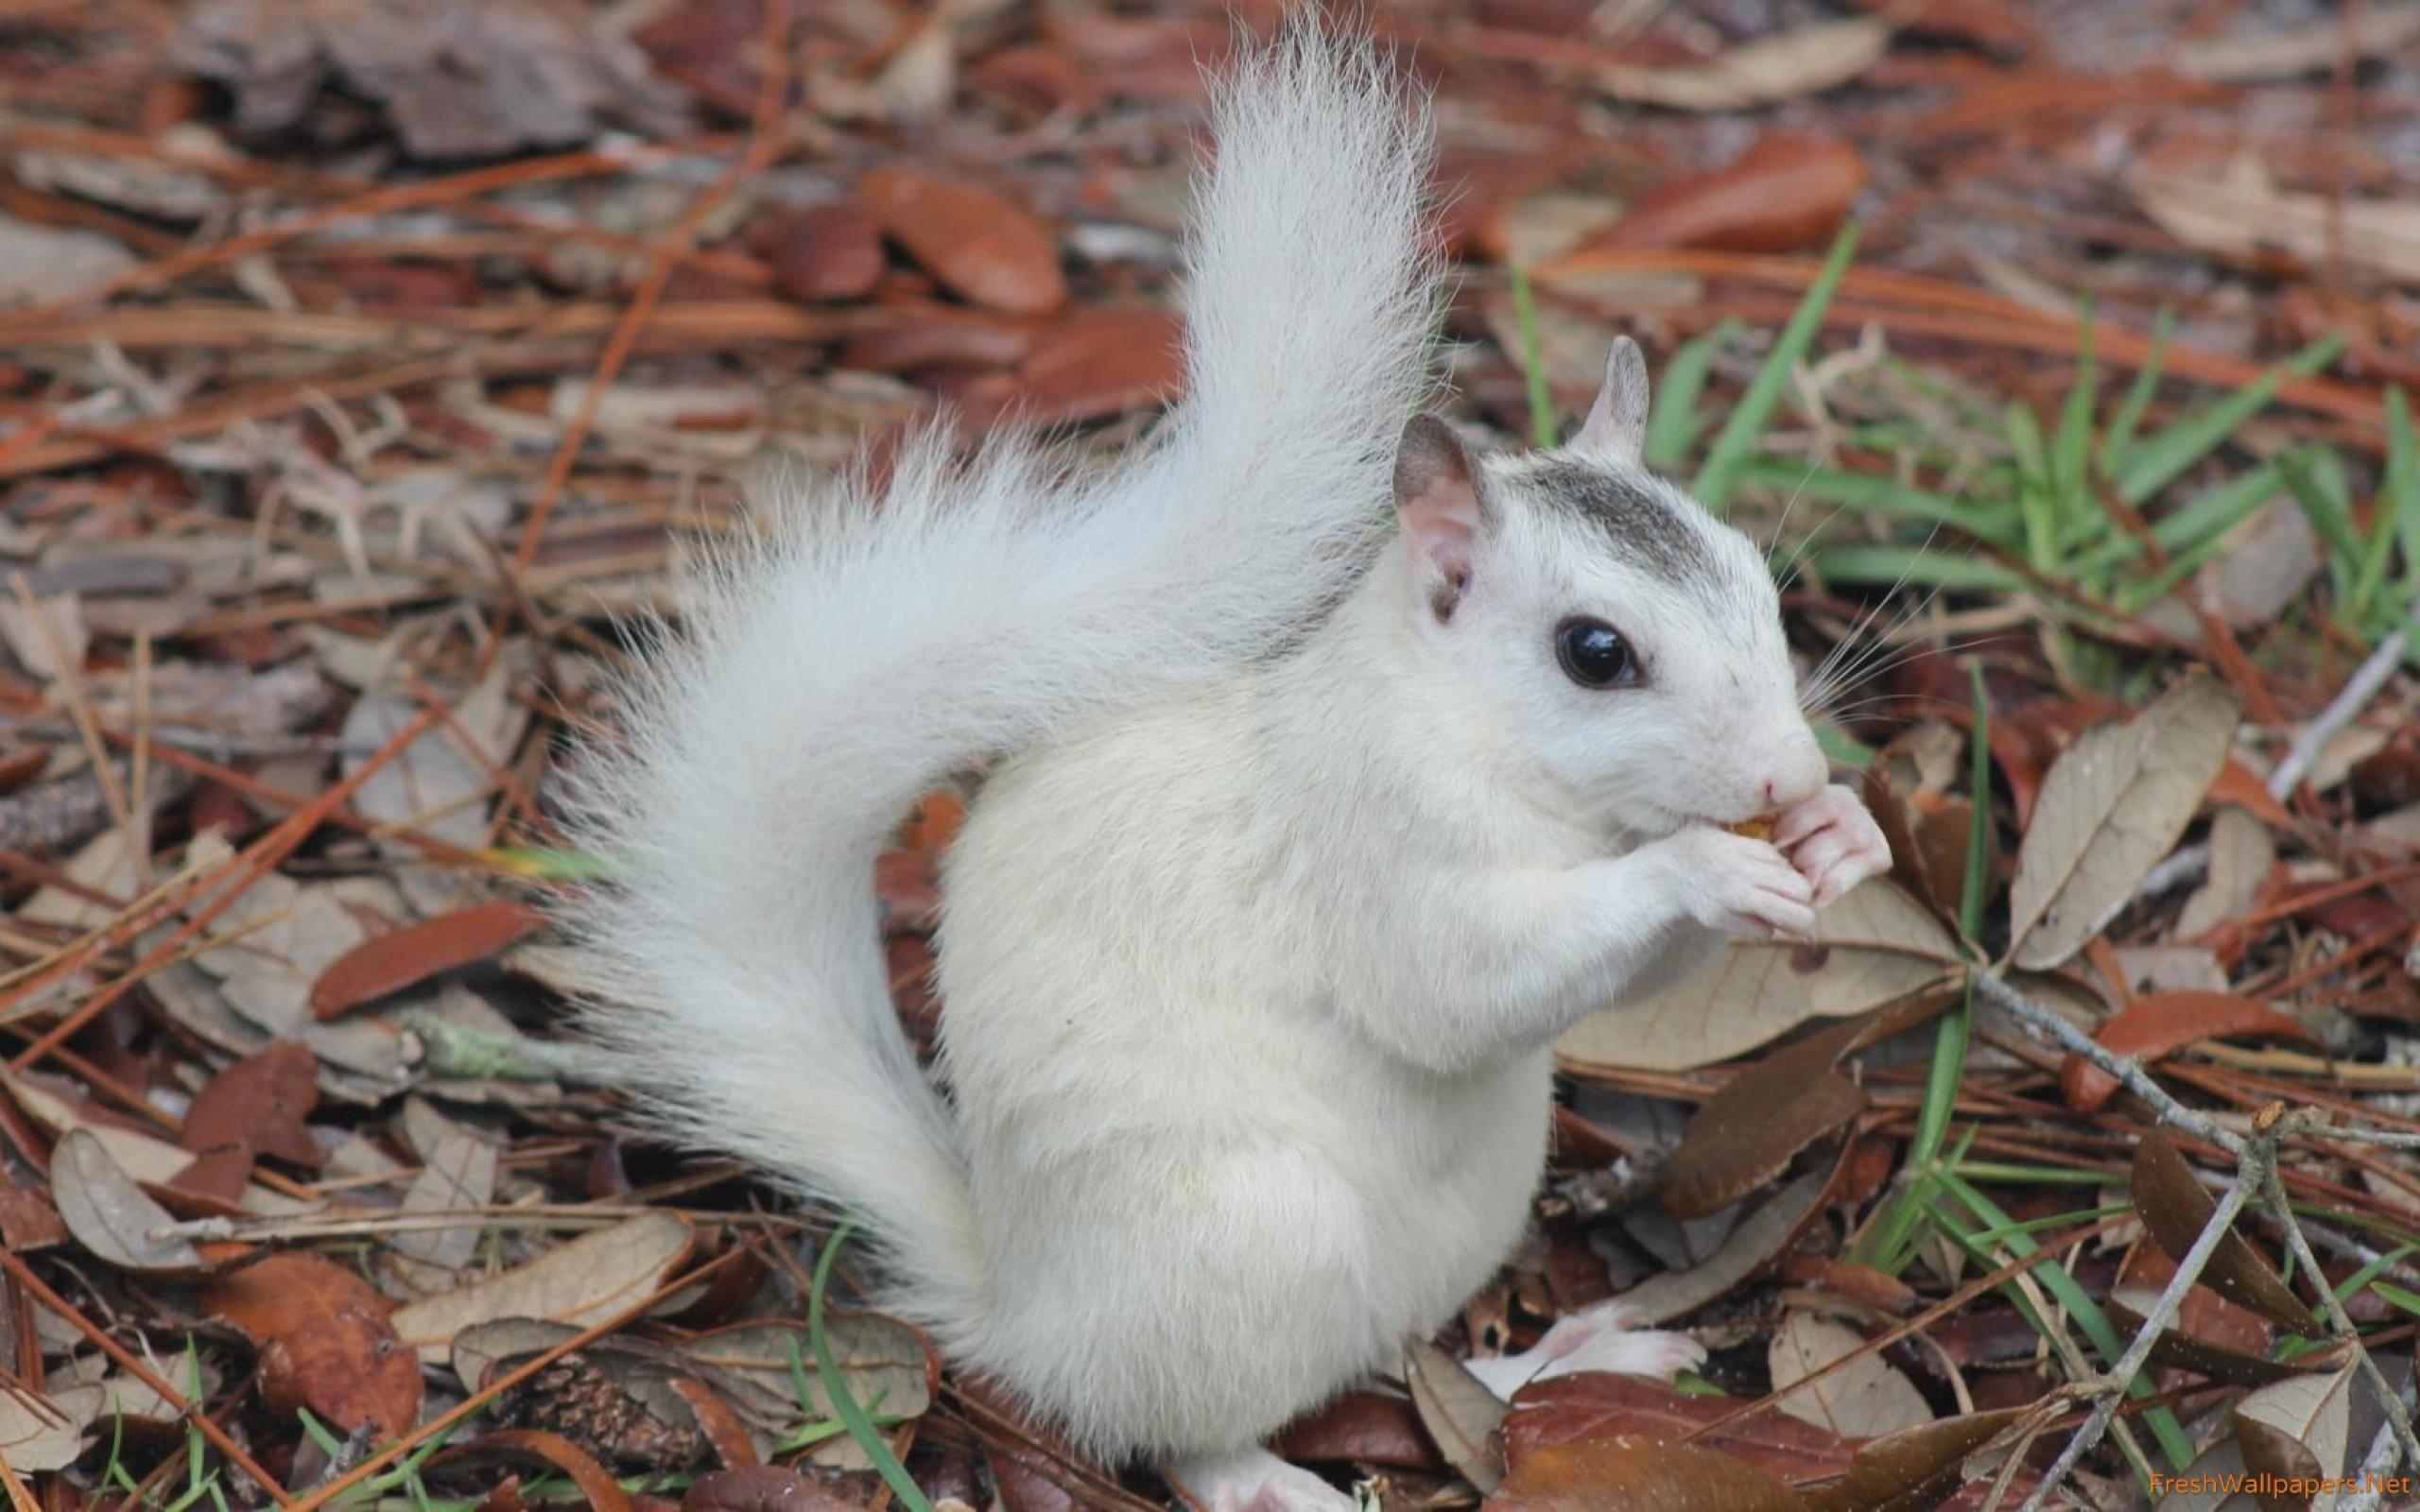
[(1770, 69), (1875, 946), (1784, 194), (1622, 1474), (1748, 1133), (404, 957), (1759, 1239), (2129, 1307), (2166, 1021), (580, 1283), (2114, 805), (1865, 1399), (325, 1342), (596, 1484), (1462, 1416), (2243, 213), (2175, 1208), (1914, 1469), (982, 245), (2296, 1430), (109, 1214)]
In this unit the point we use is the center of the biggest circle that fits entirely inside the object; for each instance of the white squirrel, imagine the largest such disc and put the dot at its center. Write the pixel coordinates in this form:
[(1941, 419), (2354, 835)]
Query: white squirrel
[(1311, 830)]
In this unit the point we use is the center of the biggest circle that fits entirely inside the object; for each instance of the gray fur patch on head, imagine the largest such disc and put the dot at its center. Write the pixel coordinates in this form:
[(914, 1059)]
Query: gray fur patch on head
[(1647, 520)]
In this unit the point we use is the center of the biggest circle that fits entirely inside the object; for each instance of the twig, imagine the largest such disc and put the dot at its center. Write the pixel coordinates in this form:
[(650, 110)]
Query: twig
[(2042, 1020), (2110, 1387), (2349, 701), (2340, 1322)]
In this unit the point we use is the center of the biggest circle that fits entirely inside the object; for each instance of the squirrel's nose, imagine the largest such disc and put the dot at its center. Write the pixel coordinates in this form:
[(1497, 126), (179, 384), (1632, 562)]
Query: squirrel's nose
[(1799, 775)]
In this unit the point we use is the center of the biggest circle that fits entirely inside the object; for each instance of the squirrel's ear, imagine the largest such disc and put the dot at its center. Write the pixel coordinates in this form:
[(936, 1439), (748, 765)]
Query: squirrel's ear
[(1616, 424), (1437, 499)]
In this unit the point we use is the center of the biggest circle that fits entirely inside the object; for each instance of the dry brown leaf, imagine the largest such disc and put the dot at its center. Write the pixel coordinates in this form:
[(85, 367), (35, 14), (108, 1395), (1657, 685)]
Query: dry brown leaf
[(822, 252), (1865, 1399), (1784, 194), (1874, 946), (153, 1163), (580, 1283), (326, 1342), (1640, 1475), (1769, 69), (1914, 1469), (2176, 1208), (980, 245), (2296, 1430), (2152, 1026), (2243, 54), (400, 958), (2241, 852), (2243, 213), (1747, 1133), (2130, 1308), (41, 1431), (1597, 1406), (2112, 806), (1462, 1416), (109, 1214)]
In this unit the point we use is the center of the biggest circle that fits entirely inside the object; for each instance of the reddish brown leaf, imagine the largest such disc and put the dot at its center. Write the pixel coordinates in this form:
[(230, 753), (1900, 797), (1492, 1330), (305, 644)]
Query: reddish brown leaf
[(918, 339), (1098, 362), (1862, 1284), (721, 1426), (1913, 1469), (976, 242), (822, 252), (28, 1222), (1750, 1131), (594, 1482), (1362, 1428), (1591, 1406), (258, 1106), (1621, 1474), (325, 1342), (391, 962), (2168, 1021), (1783, 193), (2237, 785), (2175, 1209)]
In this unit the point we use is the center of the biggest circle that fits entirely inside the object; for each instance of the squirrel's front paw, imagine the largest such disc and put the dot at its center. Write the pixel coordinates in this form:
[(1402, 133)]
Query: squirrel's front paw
[(1739, 886), (1833, 842)]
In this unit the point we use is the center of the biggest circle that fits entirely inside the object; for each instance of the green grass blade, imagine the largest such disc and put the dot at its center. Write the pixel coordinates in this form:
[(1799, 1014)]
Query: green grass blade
[(1673, 421), (1914, 565), (1979, 828), (1872, 493), (1746, 426), (2122, 425), (2396, 509), (1544, 432), (2071, 450), (2160, 459), (836, 1388), (2316, 479), (2089, 1318)]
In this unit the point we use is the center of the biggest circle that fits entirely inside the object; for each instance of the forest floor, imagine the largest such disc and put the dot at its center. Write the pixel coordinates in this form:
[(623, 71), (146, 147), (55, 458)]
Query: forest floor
[(366, 365)]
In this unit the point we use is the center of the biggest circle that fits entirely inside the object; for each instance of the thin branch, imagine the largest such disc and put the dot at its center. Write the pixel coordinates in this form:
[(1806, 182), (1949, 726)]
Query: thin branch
[(2340, 1322), (2110, 1387), (2042, 1020)]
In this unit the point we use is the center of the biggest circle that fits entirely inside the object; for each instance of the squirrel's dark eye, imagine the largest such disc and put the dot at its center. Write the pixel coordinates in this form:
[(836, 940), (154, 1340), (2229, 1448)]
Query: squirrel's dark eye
[(1594, 654)]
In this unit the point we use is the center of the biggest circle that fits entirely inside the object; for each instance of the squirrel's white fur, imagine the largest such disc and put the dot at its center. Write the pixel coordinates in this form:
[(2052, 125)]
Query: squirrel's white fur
[(1304, 850)]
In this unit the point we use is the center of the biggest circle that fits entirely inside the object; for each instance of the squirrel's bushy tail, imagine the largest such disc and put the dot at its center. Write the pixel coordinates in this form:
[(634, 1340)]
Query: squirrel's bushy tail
[(864, 649)]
